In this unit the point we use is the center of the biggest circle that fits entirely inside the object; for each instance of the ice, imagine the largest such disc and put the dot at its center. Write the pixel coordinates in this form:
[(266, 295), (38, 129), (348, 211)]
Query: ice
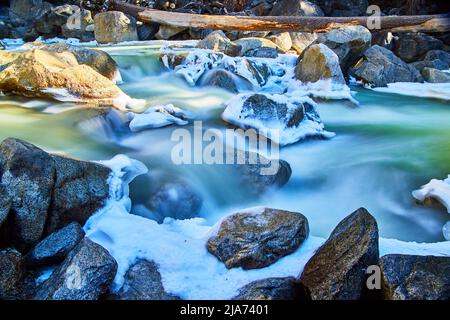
[(422, 90), (156, 117)]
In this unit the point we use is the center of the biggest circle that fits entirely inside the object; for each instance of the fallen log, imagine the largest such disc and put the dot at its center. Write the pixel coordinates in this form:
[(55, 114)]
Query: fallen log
[(424, 23)]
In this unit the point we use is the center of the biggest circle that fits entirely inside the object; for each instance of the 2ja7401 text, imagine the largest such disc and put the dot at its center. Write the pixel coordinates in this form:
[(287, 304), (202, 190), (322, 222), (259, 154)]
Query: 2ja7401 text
[(230, 310)]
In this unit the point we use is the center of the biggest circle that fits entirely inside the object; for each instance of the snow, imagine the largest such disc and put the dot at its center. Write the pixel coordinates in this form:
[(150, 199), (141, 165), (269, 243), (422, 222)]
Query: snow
[(156, 117), (178, 246), (415, 89)]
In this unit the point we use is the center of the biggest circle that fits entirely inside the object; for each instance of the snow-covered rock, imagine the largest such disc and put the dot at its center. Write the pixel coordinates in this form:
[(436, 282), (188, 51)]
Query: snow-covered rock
[(157, 117)]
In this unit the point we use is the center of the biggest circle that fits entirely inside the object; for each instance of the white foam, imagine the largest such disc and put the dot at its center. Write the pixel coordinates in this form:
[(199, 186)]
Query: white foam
[(415, 89)]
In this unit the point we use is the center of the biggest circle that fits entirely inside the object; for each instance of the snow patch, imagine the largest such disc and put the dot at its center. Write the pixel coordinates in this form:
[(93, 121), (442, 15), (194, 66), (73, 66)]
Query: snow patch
[(156, 117), (421, 90)]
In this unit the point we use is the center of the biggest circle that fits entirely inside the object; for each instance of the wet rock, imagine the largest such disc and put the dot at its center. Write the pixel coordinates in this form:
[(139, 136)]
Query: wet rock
[(410, 277), (338, 8), (5, 205), (11, 272), (220, 78), (348, 43), (157, 117), (85, 274), (302, 40), (270, 289), (113, 27), (28, 173), (282, 40), (77, 25), (218, 41), (143, 282), (257, 47), (411, 47), (257, 238), (296, 8), (381, 66), (435, 76), (294, 117), (337, 269), (167, 32), (55, 247), (318, 62), (81, 188)]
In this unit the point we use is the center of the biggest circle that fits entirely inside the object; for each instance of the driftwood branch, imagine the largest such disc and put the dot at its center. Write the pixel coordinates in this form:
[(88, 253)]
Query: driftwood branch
[(425, 23)]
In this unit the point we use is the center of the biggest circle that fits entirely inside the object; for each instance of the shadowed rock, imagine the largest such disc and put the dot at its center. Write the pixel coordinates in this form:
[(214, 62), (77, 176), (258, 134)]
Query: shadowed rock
[(270, 289), (11, 272)]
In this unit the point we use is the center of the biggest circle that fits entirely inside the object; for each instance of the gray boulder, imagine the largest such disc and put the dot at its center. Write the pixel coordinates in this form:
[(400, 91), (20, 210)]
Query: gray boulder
[(255, 239), (302, 40), (257, 47), (435, 76), (79, 25), (55, 247), (5, 205), (270, 289), (220, 78), (441, 55), (337, 269), (113, 27), (143, 282), (86, 274), (411, 47), (282, 40), (348, 43), (218, 41), (410, 277), (339, 8), (381, 66), (27, 11), (435, 64), (11, 272), (318, 62), (51, 23)]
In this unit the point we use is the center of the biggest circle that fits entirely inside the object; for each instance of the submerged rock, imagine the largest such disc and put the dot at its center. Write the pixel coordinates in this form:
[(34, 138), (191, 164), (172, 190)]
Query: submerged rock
[(381, 66), (85, 274), (435, 76), (55, 247), (11, 272), (318, 62), (270, 289), (218, 41), (282, 119), (410, 277), (258, 237), (143, 282), (337, 269), (411, 47), (113, 27)]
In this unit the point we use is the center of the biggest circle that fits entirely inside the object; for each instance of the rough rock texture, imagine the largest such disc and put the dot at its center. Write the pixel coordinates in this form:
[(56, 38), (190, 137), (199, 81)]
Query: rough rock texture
[(79, 25), (270, 289), (302, 40), (52, 21), (113, 27), (348, 43), (27, 11), (254, 47), (11, 272), (80, 189), (220, 78), (218, 41), (258, 238), (435, 76), (318, 62), (28, 174), (85, 274), (143, 282), (411, 47), (381, 66), (5, 205), (338, 8), (337, 270), (409, 277), (282, 40), (167, 32), (295, 8), (55, 247), (441, 55)]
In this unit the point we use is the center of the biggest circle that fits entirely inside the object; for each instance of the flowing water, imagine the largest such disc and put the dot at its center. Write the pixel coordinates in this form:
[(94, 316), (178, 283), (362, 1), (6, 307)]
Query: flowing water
[(383, 150)]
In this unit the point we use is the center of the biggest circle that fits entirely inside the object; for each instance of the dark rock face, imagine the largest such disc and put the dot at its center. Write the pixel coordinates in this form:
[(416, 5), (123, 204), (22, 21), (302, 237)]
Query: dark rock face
[(52, 21), (28, 174), (441, 55), (295, 8), (11, 272), (26, 11), (270, 289), (85, 274), (257, 239), (337, 270), (411, 47), (381, 66), (143, 282), (410, 277), (435, 76), (55, 247), (220, 78), (338, 8), (5, 205), (80, 189)]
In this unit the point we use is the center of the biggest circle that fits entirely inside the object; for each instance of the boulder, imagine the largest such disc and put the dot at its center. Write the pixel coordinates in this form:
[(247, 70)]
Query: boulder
[(294, 118), (11, 272), (337, 269), (318, 62), (143, 282), (218, 41), (434, 64), (78, 26), (235, 35), (258, 237), (410, 277), (441, 55), (86, 274), (54, 249), (435, 76), (147, 31), (167, 32), (270, 289), (348, 43), (220, 78), (5, 205), (28, 173), (5, 30), (383, 39), (257, 47), (339, 8), (381, 66), (51, 23), (302, 40), (282, 40), (27, 11), (412, 47), (113, 27), (296, 8), (156, 117)]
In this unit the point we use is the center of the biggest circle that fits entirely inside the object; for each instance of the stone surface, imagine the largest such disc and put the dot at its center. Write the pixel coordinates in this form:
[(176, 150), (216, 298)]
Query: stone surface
[(257, 238), (218, 41), (411, 47), (318, 62), (113, 27), (11, 272), (339, 8), (51, 23), (143, 282), (220, 78), (78, 25), (410, 277), (5, 205), (381, 66), (302, 40), (167, 32), (251, 46), (86, 274), (270, 289), (55, 247), (435, 76), (296, 8), (337, 269), (282, 40)]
